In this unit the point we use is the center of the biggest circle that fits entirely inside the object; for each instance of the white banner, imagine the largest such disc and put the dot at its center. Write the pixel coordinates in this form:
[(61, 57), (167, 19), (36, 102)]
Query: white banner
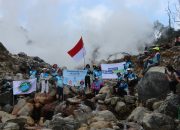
[(109, 71), (24, 86), (74, 77)]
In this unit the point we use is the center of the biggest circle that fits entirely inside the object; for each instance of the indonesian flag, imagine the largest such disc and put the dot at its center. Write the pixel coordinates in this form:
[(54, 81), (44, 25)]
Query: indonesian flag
[(78, 51)]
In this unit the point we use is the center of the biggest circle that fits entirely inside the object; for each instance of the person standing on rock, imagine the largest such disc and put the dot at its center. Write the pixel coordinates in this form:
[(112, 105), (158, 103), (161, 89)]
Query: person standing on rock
[(87, 77), (173, 78), (59, 85), (44, 77)]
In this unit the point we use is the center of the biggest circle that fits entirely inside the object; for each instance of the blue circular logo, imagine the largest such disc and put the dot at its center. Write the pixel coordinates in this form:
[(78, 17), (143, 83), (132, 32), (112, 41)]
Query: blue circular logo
[(25, 86)]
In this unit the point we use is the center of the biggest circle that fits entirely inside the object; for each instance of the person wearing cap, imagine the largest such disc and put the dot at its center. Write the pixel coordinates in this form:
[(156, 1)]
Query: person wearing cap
[(81, 89), (153, 60), (44, 77), (87, 77), (59, 85), (131, 79)]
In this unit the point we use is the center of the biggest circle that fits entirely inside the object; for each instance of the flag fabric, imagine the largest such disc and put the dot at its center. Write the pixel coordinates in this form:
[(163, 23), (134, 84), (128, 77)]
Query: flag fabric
[(78, 51), (24, 86)]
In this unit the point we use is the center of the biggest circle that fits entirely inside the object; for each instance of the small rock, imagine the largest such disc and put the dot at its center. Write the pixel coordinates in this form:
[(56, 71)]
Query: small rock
[(114, 100), (156, 105), (150, 102), (11, 126)]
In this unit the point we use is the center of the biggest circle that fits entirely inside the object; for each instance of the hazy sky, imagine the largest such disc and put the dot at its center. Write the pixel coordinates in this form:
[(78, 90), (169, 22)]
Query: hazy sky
[(49, 28)]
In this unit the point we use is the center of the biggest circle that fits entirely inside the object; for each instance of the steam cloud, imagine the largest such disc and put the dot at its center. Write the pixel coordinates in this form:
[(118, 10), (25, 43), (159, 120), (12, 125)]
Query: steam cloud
[(49, 28)]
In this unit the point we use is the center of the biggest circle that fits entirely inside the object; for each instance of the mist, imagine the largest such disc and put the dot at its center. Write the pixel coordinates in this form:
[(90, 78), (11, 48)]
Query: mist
[(50, 28)]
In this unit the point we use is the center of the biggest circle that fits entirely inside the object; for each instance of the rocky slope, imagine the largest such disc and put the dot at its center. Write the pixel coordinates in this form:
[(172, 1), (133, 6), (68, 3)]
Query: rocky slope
[(150, 109)]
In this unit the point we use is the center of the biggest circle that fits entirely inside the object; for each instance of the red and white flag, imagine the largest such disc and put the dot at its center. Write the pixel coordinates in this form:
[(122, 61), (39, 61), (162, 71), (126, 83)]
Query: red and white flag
[(78, 51)]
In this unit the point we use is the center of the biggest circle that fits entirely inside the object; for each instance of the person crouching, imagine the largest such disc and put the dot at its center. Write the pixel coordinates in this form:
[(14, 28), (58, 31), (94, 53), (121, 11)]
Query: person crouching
[(96, 86)]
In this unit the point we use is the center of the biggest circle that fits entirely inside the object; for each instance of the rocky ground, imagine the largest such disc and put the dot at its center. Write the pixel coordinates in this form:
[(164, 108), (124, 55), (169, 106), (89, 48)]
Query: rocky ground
[(150, 109)]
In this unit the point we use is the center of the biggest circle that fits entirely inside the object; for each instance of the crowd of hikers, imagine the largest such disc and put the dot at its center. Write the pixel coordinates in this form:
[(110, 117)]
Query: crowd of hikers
[(93, 82)]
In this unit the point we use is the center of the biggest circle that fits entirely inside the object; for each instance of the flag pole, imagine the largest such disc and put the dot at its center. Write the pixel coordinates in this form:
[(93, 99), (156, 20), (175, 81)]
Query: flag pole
[(84, 55)]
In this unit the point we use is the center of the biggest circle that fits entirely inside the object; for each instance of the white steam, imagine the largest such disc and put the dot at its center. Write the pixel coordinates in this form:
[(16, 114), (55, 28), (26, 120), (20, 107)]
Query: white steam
[(49, 28)]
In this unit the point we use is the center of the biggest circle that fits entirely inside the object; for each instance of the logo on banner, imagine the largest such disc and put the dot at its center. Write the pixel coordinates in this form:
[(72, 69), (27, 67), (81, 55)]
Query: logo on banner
[(25, 86)]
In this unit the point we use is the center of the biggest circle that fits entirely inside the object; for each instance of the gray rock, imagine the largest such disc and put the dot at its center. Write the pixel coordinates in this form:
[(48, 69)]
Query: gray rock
[(60, 123), (156, 105), (114, 100), (8, 108), (150, 102), (130, 99), (152, 85), (170, 106), (138, 114), (158, 121), (11, 126), (120, 107), (106, 115)]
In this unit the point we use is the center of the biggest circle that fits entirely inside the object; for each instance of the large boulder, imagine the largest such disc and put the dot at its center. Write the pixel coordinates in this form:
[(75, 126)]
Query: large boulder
[(26, 110), (170, 106), (158, 121), (138, 114), (152, 85), (106, 115), (18, 106)]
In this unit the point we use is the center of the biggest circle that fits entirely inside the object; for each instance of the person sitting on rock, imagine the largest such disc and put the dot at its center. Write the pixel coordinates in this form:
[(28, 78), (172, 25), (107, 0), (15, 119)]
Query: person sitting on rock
[(121, 88), (119, 76), (96, 86), (152, 60), (131, 79), (173, 78), (59, 85), (44, 77)]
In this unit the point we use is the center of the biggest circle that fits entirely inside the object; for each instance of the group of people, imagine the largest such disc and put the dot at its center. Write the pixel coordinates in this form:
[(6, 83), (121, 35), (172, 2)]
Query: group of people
[(127, 80)]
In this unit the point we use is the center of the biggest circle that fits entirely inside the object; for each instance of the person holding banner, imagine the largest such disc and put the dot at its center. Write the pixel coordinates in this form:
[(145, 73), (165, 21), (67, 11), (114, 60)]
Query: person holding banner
[(59, 85), (44, 77)]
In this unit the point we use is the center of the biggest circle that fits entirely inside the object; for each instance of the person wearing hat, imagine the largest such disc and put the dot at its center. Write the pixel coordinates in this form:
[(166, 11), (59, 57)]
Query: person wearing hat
[(87, 77), (152, 60), (59, 85), (44, 77), (131, 79)]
